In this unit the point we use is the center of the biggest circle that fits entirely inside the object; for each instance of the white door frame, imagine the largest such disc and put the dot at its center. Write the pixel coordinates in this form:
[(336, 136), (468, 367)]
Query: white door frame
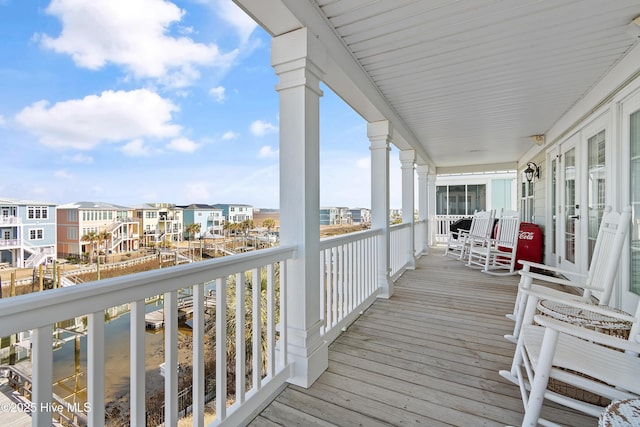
[(627, 300), (552, 239), (565, 212)]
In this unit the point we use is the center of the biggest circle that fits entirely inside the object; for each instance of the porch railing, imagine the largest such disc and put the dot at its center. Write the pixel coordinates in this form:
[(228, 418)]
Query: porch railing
[(443, 222), (420, 236), (348, 278), (349, 284), (399, 249), (255, 378)]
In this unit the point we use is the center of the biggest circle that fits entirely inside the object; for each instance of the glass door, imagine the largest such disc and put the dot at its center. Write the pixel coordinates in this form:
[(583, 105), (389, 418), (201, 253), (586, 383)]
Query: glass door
[(570, 240), (596, 188)]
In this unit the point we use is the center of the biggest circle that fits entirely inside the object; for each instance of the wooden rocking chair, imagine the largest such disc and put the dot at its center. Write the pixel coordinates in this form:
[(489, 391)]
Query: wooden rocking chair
[(498, 253), (458, 242), (596, 362), (599, 281)]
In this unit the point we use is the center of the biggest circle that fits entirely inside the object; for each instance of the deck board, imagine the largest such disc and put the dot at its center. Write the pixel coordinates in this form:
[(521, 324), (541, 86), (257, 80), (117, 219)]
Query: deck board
[(430, 355)]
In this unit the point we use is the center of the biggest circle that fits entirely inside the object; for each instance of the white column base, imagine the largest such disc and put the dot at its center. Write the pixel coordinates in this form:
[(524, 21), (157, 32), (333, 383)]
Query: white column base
[(307, 369)]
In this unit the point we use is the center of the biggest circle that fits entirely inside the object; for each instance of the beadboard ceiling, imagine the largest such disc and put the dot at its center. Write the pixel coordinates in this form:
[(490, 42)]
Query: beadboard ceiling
[(469, 81)]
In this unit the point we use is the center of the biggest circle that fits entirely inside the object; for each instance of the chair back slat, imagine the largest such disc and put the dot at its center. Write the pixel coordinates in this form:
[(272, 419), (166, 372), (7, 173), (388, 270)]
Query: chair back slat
[(508, 230), (606, 255), (481, 224)]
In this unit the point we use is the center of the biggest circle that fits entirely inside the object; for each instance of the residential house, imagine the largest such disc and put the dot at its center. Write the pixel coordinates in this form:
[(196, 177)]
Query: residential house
[(210, 219), (160, 223), (235, 213), (77, 220), (27, 232), (335, 216), (360, 215)]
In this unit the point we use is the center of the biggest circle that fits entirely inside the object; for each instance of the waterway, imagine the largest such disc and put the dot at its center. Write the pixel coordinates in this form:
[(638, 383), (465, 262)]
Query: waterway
[(70, 356)]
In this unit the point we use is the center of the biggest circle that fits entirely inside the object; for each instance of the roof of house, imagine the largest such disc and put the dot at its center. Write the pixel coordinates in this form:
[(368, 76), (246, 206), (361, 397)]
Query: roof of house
[(93, 205), (7, 201)]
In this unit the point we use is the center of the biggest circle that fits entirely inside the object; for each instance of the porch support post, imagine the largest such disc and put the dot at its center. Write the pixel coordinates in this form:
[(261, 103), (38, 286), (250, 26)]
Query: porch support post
[(407, 159), (423, 209), (431, 191), (380, 134), (298, 59)]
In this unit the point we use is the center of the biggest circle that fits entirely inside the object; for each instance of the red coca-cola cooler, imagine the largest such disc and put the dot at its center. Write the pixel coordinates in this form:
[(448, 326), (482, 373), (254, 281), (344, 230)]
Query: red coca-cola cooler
[(529, 243)]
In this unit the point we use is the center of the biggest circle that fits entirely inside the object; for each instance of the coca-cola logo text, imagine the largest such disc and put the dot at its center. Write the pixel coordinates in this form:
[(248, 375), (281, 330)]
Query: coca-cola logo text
[(526, 235)]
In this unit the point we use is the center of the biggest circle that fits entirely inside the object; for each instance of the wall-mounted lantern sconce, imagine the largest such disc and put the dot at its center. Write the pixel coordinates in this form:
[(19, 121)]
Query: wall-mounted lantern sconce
[(532, 171)]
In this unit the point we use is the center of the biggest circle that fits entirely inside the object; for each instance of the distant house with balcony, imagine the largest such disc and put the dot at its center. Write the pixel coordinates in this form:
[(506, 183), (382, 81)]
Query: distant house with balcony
[(211, 219), (360, 216), (27, 232), (160, 223), (335, 216), (235, 213), (75, 220)]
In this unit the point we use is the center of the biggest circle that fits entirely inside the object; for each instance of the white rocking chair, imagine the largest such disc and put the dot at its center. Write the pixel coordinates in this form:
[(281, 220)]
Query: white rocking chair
[(458, 242), (596, 362), (498, 253), (612, 235)]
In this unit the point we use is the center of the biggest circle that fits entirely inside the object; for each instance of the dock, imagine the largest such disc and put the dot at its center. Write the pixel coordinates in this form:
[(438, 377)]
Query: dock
[(13, 407), (155, 319)]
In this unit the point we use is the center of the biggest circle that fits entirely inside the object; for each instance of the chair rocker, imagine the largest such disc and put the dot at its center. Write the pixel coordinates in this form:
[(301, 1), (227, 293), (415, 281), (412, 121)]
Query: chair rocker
[(458, 242), (598, 283), (497, 255), (585, 359)]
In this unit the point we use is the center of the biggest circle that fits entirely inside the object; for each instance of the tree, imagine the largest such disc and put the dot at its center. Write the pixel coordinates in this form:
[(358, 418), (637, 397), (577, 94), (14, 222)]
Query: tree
[(91, 237), (103, 237), (248, 320), (245, 226), (192, 230), (269, 223)]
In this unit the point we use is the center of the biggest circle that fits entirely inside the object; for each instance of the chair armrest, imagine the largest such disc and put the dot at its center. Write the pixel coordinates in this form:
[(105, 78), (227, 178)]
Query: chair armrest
[(551, 268), (549, 279), (588, 334), (543, 293), (558, 281), (460, 233)]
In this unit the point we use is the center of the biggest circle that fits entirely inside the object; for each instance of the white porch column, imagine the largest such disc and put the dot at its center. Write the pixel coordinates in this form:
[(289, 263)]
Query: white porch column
[(431, 191), (423, 207), (298, 59), (379, 134), (407, 159)]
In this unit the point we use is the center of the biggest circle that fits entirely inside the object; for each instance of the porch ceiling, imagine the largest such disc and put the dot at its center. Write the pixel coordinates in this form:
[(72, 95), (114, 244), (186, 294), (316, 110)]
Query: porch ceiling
[(464, 82)]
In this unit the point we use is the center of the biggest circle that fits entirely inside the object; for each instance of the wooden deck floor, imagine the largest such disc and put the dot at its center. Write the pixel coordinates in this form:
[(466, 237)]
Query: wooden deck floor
[(428, 356)]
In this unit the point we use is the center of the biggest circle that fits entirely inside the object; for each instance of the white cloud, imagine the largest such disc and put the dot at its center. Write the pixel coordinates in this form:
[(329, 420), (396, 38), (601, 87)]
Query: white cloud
[(136, 148), (267, 152), (79, 158), (229, 135), (261, 128), (363, 163), (3, 121), (62, 173), (217, 93), (239, 20), (134, 35), (197, 191), (94, 119), (183, 145)]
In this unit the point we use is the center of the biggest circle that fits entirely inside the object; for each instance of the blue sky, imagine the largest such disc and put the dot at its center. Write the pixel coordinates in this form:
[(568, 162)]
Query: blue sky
[(132, 101)]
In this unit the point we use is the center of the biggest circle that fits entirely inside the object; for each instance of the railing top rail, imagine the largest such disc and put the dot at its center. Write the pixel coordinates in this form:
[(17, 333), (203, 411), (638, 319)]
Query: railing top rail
[(343, 239), (400, 226), (30, 311)]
